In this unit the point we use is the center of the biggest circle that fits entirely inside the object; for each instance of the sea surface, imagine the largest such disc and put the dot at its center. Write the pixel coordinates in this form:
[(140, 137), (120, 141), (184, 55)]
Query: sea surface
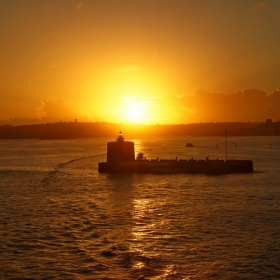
[(61, 219)]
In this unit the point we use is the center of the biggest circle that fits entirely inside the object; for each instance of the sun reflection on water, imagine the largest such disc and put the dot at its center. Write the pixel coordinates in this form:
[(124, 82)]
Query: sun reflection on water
[(140, 215)]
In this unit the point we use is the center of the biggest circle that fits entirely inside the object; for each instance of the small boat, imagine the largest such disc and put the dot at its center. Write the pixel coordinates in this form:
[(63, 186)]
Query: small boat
[(189, 145)]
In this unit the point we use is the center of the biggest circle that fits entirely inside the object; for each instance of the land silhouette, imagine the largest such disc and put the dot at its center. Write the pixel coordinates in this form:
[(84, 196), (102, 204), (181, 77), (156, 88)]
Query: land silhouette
[(71, 130)]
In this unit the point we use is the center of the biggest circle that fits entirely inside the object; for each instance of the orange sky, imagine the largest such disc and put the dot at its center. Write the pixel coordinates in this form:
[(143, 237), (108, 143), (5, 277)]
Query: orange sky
[(137, 61)]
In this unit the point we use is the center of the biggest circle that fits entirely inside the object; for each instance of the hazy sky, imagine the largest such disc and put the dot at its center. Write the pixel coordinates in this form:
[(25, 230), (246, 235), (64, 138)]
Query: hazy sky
[(122, 60)]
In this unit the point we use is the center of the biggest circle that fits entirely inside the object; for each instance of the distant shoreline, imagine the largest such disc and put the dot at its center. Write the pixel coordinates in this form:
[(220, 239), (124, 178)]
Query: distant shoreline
[(72, 130)]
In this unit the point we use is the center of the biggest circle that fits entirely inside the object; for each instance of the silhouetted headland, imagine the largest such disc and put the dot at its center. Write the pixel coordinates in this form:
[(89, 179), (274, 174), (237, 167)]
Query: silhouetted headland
[(70, 130), (121, 159)]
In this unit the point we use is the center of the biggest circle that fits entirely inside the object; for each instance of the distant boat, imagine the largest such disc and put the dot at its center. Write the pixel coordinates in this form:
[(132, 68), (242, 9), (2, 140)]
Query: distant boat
[(189, 145)]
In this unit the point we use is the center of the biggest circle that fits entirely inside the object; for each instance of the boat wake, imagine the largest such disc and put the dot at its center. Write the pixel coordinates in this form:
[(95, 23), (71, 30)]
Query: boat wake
[(73, 160), (60, 166)]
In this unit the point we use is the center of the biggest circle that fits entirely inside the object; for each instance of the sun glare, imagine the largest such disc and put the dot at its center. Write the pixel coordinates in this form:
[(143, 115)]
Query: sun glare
[(135, 112)]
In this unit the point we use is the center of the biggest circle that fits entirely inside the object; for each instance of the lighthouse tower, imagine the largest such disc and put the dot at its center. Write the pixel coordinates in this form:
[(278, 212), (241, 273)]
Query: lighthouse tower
[(120, 150)]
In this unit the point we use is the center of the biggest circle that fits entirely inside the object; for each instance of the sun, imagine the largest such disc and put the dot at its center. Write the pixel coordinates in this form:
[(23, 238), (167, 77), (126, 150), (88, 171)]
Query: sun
[(135, 112)]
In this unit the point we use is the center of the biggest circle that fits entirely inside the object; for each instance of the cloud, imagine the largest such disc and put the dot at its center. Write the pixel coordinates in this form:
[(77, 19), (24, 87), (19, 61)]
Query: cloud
[(54, 111), (249, 105), (138, 99), (188, 110), (261, 5)]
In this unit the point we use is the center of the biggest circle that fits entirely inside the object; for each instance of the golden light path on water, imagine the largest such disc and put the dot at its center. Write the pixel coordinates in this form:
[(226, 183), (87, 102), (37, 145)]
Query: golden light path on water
[(147, 222), (140, 229)]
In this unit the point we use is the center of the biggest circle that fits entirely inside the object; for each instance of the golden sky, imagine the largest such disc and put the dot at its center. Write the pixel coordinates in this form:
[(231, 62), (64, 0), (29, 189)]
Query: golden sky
[(137, 61)]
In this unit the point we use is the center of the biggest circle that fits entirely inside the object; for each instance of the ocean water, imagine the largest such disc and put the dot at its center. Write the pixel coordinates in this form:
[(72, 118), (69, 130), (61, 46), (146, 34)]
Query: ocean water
[(61, 219)]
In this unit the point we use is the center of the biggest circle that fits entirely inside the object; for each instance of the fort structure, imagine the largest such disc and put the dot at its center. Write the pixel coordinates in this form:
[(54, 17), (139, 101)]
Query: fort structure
[(121, 159), (120, 150)]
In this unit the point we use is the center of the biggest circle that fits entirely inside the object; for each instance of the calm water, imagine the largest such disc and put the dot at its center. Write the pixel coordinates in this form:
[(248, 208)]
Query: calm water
[(60, 219)]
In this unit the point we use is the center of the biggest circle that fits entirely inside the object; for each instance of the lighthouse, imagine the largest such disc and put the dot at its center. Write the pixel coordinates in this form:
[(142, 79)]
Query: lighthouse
[(120, 150)]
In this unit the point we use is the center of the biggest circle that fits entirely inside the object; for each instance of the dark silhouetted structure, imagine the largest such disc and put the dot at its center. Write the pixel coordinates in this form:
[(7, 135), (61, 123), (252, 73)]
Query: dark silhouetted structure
[(120, 150), (121, 159)]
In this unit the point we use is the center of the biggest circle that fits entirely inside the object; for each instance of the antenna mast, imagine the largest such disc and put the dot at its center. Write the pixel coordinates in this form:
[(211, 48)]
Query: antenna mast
[(226, 142)]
